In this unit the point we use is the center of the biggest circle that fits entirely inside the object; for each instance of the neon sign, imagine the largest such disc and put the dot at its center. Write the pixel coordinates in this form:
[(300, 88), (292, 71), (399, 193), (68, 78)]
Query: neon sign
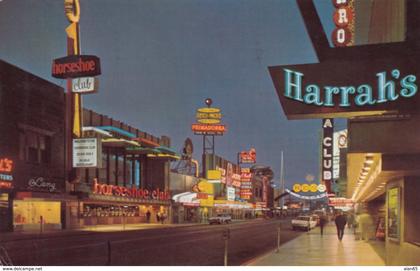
[(6, 165), (387, 90), (248, 157), (6, 169), (114, 190), (344, 20), (208, 129), (76, 66)]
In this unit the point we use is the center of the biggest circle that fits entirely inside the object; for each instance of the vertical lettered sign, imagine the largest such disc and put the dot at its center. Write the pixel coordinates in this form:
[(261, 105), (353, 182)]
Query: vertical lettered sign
[(327, 151)]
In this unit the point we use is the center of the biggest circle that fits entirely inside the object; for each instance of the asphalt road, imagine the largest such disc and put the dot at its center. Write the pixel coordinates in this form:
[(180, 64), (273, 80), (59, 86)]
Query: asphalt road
[(194, 245)]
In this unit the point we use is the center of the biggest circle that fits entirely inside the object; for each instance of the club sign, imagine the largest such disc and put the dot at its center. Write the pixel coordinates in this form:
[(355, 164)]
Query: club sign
[(327, 150)]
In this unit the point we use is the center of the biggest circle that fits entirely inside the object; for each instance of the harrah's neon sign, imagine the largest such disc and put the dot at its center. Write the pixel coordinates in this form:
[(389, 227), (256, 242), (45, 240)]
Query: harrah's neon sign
[(114, 190), (387, 90)]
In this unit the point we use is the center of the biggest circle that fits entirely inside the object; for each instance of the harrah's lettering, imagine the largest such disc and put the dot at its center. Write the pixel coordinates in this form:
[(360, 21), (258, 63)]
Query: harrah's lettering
[(113, 190), (389, 88), (76, 66)]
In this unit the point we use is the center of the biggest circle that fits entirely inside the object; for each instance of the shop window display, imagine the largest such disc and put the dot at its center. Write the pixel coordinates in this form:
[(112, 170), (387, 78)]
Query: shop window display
[(394, 213), (91, 210)]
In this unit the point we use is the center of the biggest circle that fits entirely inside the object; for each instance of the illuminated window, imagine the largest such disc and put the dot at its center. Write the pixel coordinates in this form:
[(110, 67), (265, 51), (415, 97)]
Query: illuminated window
[(394, 215), (35, 147)]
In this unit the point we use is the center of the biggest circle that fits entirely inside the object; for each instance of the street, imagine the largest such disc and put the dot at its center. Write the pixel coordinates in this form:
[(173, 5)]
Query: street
[(193, 245)]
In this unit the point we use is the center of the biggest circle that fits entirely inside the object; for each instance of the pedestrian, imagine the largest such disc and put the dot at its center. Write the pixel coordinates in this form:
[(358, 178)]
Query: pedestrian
[(157, 217), (340, 223), (350, 220), (162, 217), (148, 216), (322, 222)]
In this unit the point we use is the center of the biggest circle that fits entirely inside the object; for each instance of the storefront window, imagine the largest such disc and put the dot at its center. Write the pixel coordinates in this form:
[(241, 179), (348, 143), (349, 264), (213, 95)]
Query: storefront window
[(137, 173), (394, 213), (95, 210), (30, 212)]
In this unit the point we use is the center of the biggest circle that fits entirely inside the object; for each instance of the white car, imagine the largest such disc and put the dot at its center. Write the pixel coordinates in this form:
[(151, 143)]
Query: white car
[(220, 219), (304, 222)]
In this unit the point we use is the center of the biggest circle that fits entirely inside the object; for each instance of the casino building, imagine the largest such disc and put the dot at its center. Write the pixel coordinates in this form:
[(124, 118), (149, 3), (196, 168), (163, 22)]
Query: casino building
[(371, 80), (130, 184)]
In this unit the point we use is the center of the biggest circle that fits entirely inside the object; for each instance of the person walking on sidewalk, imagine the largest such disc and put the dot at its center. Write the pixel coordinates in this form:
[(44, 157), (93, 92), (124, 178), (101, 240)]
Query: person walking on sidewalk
[(340, 223), (322, 222)]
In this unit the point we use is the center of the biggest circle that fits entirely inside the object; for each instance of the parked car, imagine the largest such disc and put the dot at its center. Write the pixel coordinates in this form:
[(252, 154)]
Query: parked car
[(304, 222), (220, 219)]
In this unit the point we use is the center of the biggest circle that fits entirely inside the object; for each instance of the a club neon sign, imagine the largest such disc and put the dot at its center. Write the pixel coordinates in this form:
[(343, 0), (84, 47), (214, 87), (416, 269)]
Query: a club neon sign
[(389, 89)]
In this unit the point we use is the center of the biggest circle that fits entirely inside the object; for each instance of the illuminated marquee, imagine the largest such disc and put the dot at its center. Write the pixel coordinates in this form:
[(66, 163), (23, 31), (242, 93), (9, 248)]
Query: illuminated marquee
[(76, 66), (208, 129), (114, 190)]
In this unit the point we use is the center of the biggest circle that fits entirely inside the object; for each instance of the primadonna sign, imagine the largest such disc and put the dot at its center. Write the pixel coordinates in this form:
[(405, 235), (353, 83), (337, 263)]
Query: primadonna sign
[(76, 66), (114, 190)]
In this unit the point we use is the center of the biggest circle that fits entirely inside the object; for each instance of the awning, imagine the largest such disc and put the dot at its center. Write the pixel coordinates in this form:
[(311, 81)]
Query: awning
[(146, 142), (141, 150), (97, 131), (117, 130), (187, 198), (118, 142), (164, 156)]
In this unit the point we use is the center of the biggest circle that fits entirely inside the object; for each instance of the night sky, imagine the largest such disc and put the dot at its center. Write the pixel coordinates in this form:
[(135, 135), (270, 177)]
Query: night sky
[(161, 58)]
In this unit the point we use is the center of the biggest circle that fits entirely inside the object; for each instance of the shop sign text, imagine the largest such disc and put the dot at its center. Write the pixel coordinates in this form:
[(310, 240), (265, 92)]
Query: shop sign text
[(40, 184), (327, 151), (85, 152), (208, 129), (344, 20), (84, 85), (390, 87), (76, 66), (114, 190)]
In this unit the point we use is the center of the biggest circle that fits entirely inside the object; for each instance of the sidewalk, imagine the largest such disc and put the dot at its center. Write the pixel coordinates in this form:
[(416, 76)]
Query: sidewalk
[(312, 249)]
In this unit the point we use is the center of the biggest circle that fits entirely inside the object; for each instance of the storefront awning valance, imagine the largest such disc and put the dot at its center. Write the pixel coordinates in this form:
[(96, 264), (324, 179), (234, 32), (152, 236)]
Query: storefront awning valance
[(141, 150), (146, 142), (187, 198), (117, 131), (119, 142), (97, 131), (164, 156), (167, 150)]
